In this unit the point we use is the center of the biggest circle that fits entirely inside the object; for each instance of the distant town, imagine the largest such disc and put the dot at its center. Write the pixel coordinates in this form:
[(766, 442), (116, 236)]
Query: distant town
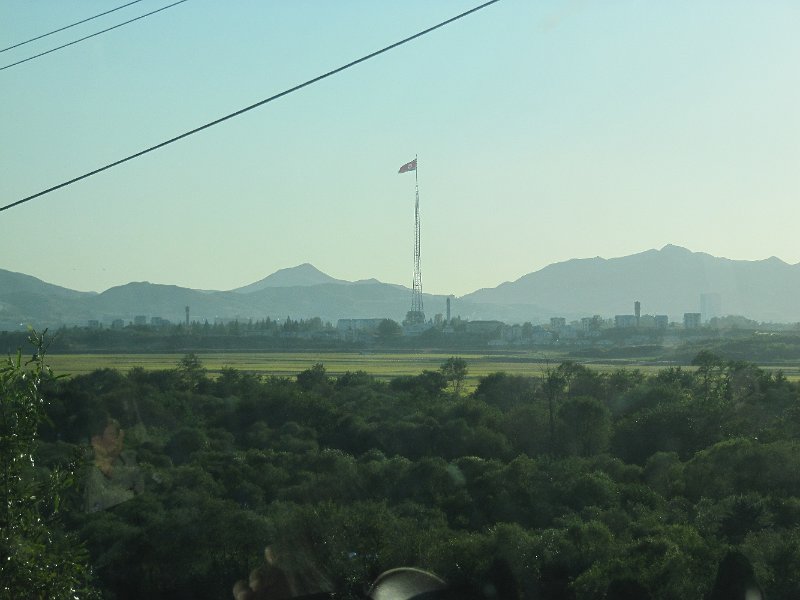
[(590, 335)]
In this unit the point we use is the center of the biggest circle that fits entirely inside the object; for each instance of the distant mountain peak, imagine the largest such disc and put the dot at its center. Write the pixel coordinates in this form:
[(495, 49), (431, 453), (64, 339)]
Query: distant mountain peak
[(302, 275), (20, 282), (676, 249)]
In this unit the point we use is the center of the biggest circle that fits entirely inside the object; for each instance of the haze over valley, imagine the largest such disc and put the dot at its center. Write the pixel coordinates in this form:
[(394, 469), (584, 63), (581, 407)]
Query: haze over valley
[(669, 281)]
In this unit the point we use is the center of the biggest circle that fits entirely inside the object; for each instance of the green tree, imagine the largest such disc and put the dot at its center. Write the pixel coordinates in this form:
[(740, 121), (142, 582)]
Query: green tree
[(314, 377), (506, 391), (389, 330), (712, 377), (191, 370), (37, 558), (428, 383), (585, 426), (454, 370), (553, 387)]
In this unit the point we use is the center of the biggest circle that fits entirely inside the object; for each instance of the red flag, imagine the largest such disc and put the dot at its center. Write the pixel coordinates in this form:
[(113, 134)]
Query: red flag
[(410, 166)]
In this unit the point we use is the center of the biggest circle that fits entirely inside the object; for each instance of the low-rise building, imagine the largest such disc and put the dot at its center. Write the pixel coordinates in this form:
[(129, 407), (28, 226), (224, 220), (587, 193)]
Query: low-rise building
[(416, 328), (350, 329), (541, 337), (364, 325), (624, 321), (484, 327), (593, 323), (567, 333), (691, 320), (647, 322), (511, 332)]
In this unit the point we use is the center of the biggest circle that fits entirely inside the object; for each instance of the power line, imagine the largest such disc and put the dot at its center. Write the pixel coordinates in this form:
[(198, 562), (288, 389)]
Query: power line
[(247, 108), (38, 37), (19, 62)]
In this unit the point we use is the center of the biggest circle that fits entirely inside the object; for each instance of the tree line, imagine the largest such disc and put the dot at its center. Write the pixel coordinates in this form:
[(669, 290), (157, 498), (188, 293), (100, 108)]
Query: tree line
[(571, 485)]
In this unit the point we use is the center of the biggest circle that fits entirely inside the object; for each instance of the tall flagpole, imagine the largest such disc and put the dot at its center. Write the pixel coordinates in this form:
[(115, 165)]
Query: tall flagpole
[(418, 314)]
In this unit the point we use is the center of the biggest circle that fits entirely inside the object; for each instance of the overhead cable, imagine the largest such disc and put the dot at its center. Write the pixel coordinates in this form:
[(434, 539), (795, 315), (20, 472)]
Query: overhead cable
[(247, 108), (38, 37), (72, 43)]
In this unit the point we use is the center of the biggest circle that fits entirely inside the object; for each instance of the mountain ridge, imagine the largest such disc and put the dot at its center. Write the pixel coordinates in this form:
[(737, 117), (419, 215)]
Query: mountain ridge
[(667, 281), (302, 275), (663, 280)]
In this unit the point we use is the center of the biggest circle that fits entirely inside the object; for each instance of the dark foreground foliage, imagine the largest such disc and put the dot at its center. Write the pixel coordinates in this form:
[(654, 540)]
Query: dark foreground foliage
[(39, 559), (577, 485)]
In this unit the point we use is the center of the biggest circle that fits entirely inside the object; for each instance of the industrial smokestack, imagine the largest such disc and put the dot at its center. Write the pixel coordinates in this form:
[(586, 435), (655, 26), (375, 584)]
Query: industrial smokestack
[(637, 310)]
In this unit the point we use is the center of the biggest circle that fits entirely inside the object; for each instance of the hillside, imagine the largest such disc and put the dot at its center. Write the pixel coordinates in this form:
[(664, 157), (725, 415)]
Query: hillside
[(667, 281), (299, 276)]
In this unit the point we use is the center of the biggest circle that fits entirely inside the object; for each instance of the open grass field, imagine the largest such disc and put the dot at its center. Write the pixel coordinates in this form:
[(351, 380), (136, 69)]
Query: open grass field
[(381, 365)]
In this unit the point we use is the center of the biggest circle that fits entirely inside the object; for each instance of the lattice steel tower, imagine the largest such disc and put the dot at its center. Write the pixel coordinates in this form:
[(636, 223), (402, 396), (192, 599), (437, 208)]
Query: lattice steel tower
[(416, 290), (417, 313)]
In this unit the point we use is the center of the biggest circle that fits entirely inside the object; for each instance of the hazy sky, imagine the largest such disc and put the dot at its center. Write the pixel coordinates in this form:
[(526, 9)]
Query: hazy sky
[(545, 131)]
